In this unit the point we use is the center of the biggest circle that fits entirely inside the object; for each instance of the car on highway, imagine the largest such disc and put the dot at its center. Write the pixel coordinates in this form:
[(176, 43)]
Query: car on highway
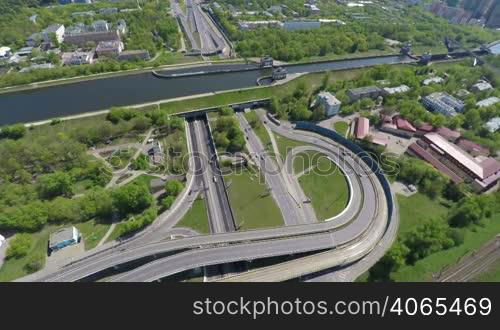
[(215, 179)]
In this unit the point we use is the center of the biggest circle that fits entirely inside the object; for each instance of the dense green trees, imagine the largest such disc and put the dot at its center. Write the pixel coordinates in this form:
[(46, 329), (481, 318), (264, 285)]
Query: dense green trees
[(173, 187), (55, 184), (227, 133), (136, 223), (132, 198)]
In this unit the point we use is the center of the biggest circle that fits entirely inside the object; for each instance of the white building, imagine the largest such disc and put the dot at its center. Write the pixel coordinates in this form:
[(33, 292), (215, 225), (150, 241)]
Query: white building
[(37, 67), (64, 237), (5, 53), (397, 90), (57, 29), (432, 80), (493, 125), (488, 102), (330, 102)]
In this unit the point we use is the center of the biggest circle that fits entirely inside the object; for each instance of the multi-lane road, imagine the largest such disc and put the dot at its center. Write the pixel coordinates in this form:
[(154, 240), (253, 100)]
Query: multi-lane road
[(209, 176), (203, 36)]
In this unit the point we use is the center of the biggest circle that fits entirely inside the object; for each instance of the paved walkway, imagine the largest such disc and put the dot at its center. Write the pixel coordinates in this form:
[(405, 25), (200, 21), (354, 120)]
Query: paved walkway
[(108, 233)]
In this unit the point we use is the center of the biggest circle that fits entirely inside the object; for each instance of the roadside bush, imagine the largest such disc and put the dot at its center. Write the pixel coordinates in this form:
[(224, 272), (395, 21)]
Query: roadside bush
[(139, 222), (34, 264), (19, 246), (167, 202)]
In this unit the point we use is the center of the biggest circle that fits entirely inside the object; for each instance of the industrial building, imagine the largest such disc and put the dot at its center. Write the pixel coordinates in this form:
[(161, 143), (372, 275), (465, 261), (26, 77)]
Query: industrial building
[(482, 172), (364, 92), (63, 238), (81, 39), (443, 103)]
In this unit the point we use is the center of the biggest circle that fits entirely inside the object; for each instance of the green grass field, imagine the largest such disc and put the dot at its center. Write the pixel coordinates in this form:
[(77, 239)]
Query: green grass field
[(285, 144), (252, 205), (303, 161), (259, 129), (416, 209), (341, 127), (327, 189), (196, 218), (92, 232)]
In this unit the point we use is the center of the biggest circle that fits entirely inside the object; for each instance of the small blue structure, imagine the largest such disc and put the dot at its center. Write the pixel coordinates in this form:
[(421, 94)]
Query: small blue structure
[(64, 237)]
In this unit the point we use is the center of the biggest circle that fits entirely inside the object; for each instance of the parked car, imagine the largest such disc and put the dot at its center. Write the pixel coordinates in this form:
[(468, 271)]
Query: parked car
[(2, 240)]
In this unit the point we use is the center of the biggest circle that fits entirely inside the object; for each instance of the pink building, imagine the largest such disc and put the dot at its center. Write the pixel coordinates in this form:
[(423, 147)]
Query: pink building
[(362, 128)]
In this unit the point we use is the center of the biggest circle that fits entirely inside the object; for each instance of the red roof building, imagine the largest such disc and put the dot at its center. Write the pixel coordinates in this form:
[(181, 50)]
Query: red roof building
[(448, 134), (362, 128), (403, 124), (425, 127), (473, 148)]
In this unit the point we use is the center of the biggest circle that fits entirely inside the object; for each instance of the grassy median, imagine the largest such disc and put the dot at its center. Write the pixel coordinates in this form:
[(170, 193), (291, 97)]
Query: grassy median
[(252, 204), (196, 217), (327, 188)]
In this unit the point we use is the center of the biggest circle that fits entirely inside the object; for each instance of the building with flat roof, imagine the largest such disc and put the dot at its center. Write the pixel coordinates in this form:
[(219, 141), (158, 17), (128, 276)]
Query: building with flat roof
[(488, 102), (443, 103), (330, 102), (484, 172), (362, 128), (100, 26), (481, 86), (299, 25), (129, 55), (396, 90), (63, 238), (78, 58), (493, 124), (111, 48), (432, 80), (448, 134), (356, 94), (250, 25), (37, 67), (473, 148), (82, 39)]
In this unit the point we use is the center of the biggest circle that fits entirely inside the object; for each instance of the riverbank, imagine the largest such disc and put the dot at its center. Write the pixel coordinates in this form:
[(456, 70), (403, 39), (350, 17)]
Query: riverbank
[(211, 61), (63, 81)]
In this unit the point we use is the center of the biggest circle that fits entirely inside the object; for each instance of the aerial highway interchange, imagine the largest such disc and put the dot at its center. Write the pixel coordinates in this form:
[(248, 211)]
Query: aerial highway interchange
[(349, 242)]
